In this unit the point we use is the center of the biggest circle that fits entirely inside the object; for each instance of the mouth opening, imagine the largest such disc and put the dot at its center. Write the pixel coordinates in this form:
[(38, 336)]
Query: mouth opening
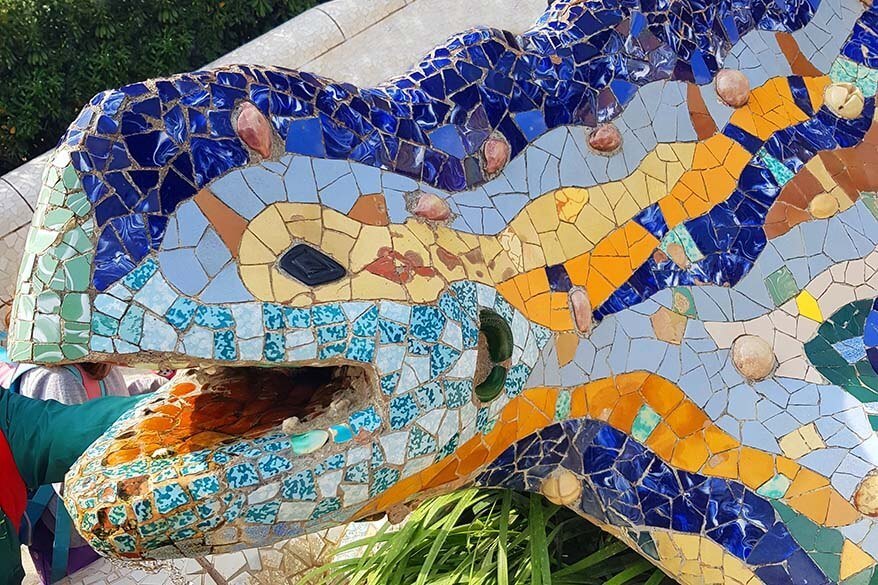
[(210, 407)]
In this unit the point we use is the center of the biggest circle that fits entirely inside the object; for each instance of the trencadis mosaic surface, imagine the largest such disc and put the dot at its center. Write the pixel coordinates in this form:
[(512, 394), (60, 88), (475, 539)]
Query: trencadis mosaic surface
[(626, 259)]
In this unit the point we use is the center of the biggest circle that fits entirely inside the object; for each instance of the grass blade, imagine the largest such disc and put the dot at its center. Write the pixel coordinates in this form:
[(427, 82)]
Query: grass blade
[(502, 551), (539, 552), (629, 573), (593, 559), (445, 526)]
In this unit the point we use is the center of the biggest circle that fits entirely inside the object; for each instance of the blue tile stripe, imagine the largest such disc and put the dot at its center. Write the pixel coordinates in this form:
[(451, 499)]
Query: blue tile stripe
[(628, 486), (141, 151), (800, 94), (751, 143), (863, 42)]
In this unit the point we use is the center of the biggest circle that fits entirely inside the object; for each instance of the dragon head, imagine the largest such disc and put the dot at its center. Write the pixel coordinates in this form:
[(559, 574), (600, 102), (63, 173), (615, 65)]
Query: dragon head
[(334, 334), (375, 294)]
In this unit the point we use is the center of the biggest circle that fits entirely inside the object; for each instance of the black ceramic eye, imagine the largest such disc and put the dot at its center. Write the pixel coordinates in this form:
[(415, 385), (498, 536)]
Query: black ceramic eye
[(310, 266)]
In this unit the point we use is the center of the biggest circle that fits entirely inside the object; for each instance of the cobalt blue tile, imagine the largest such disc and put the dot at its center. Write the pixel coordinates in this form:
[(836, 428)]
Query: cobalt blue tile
[(306, 137), (775, 547)]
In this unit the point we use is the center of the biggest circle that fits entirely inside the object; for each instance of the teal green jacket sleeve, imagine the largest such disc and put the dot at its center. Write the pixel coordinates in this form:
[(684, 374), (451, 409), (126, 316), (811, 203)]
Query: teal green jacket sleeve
[(47, 437)]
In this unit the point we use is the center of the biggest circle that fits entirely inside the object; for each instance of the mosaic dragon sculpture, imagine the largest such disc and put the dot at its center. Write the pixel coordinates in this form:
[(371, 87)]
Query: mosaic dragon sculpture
[(460, 276)]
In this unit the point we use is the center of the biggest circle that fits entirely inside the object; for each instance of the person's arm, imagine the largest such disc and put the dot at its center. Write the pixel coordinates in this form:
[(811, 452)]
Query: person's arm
[(46, 437)]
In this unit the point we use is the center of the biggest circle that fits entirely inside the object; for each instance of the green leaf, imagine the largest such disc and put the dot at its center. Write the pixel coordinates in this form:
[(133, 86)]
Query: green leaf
[(503, 537), (540, 554)]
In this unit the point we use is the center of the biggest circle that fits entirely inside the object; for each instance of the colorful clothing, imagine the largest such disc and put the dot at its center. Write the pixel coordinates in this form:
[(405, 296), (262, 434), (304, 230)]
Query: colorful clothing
[(56, 548), (39, 441)]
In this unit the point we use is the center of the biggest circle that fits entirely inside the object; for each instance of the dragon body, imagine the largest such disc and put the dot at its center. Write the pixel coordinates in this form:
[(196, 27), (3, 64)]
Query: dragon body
[(376, 294)]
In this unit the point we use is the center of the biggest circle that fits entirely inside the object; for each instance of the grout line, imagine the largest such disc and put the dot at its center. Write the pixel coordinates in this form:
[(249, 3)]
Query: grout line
[(380, 20), (11, 186), (211, 570), (4, 235), (343, 36), (17, 192)]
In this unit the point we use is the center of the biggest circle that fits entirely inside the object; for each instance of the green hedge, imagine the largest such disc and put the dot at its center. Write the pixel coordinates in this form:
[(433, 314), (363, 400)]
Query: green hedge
[(56, 54)]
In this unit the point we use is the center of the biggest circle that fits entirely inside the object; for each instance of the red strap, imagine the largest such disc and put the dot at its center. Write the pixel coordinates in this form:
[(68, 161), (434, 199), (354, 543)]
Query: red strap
[(13, 493)]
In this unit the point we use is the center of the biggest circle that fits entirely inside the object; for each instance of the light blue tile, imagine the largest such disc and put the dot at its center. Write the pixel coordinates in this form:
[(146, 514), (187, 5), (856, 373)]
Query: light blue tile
[(226, 287), (184, 270), (192, 224), (234, 191), (212, 252), (299, 181), (268, 186)]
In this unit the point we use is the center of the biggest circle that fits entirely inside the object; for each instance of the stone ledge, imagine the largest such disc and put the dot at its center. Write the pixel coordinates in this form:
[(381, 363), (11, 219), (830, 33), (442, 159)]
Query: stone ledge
[(312, 33)]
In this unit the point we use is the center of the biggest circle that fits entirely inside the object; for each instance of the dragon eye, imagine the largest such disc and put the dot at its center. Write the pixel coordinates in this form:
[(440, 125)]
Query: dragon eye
[(498, 338), (310, 266)]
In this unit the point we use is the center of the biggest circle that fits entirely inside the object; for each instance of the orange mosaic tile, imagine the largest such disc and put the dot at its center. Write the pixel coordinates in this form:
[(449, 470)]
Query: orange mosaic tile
[(684, 437)]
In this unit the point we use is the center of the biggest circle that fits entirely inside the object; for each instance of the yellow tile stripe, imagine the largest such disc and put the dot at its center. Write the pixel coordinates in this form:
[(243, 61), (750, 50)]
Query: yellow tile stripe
[(716, 166)]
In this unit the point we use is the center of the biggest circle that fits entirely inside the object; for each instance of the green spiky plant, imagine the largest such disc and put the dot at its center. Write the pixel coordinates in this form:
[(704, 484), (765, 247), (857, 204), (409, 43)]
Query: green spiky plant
[(489, 537)]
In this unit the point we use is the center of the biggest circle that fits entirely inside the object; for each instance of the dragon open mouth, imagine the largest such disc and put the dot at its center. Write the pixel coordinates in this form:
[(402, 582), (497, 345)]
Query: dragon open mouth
[(210, 407)]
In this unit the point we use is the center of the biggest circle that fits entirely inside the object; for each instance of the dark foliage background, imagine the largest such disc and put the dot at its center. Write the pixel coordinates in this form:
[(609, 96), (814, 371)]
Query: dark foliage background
[(56, 54)]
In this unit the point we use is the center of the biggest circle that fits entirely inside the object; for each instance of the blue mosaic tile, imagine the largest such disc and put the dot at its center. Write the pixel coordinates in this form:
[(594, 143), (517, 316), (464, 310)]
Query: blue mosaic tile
[(327, 315), (169, 497), (242, 475), (326, 506), (403, 410), (358, 473), (263, 513), (272, 465), (457, 392), (296, 317), (429, 396), (361, 350), (273, 316), (274, 347), (204, 487), (427, 323), (365, 420), (390, 331), (181, 313), (224, 345), (214, 317), (420, 443), (382, 479), (299, 487)]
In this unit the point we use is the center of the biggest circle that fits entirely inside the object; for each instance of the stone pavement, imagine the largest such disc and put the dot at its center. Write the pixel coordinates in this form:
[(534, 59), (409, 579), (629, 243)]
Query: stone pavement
[(358, 41)]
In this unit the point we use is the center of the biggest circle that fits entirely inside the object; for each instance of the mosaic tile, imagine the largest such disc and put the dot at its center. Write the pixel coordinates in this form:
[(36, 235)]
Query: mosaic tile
[(501, 302)]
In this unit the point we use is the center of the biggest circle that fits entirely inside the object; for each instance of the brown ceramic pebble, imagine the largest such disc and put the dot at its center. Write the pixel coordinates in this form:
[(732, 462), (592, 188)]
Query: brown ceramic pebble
[(254, 130), (668, 326), (496, 153), (866, 497), (753, 357), (431, 207), (562, 487), (605, 139), (581, 307), (732, 87), (370, 209), (677, 254)]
